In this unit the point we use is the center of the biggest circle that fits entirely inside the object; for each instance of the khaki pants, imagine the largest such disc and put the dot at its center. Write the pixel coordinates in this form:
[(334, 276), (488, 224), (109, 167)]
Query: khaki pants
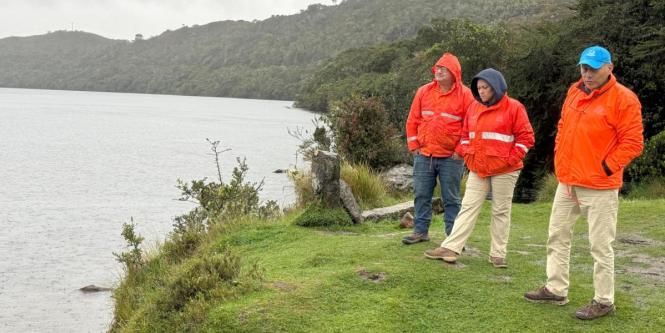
[(600, 208), (477, 188)]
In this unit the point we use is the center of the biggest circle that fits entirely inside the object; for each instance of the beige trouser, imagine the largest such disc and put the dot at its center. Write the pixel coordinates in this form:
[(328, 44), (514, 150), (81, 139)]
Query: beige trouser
[(477, 188), (600, 208)]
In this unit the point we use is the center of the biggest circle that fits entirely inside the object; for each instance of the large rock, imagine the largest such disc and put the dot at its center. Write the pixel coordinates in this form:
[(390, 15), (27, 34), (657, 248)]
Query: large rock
[(399, 178), (325, 177), (395, 212), (350, 203)]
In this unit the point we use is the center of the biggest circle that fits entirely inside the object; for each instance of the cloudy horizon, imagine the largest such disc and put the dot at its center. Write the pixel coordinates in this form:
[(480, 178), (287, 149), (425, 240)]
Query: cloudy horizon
[(123, 19)]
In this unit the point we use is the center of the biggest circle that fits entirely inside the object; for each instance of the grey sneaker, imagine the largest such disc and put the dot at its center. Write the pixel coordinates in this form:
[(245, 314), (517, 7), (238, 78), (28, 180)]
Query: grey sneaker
[(594, 310), (415, 237), (542, 295)]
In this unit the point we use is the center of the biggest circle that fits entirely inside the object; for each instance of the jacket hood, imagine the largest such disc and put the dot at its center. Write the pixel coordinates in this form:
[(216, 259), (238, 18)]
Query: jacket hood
[(495, 80), (450, 62)]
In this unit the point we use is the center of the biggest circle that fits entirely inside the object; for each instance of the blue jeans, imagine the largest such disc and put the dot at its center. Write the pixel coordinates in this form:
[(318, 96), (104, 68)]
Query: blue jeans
[(425, 172)]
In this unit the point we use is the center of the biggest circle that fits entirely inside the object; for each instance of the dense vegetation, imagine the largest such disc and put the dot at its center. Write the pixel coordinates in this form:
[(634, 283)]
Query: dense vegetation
[(539, 63), (262, 59)]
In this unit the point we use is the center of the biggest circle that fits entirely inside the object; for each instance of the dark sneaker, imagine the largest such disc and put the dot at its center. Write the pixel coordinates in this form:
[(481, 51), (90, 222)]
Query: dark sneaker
[(415, 237), (593, 310), (442, 253), (498, 262), (542, 295)]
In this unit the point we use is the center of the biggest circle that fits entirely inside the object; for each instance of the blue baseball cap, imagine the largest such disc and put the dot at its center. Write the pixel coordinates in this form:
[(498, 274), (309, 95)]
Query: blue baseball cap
[(595, 57)]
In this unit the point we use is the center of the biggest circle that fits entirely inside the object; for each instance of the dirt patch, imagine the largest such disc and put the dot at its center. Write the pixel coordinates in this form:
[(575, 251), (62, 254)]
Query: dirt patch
[(284, 286), (375, 277), (472, 252), (502, 279), (336, 233), (635, 239), (456, 265), (653, 268)]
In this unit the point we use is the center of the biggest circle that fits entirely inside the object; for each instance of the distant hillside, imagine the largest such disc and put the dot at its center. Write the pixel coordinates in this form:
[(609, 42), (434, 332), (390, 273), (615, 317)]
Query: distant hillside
[(261, 59)]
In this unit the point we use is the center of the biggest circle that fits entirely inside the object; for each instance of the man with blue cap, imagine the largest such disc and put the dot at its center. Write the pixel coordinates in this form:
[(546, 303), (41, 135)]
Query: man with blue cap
[(599, 133)]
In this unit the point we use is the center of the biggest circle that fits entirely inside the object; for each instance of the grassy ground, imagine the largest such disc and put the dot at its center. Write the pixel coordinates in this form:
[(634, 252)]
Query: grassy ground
[(362, 279)]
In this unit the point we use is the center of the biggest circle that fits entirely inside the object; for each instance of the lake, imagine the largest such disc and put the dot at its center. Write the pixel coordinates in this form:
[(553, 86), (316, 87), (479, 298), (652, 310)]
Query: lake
[(77, 165)]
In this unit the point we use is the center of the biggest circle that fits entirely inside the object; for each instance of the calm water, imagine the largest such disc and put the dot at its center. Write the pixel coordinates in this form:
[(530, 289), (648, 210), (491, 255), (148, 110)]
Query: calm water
[(76, 165)]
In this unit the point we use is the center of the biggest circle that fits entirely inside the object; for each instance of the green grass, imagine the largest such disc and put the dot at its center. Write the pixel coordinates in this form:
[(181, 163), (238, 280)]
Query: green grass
[(316, 279)]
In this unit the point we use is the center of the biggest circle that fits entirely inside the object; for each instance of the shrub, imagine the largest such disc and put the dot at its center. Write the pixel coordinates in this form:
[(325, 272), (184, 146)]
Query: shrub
[(651, 164), (132, 259), (547, 188), (317, 215), (302, 182), (652, 189), (363, 133), (366, 185)]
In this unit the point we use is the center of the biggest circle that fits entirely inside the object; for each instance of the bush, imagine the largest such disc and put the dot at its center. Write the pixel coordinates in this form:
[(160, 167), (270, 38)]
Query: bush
[(302, 182), (366, 185), (363, 133), (652, 189), (651, 164), (317, 215), (547, 188)]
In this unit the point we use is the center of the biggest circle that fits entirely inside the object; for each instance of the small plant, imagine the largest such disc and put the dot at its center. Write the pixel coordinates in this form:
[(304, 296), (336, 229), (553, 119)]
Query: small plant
[(366, 185), (132, 259), (320, 139), (317, 215), (302, 182), (547, 188)]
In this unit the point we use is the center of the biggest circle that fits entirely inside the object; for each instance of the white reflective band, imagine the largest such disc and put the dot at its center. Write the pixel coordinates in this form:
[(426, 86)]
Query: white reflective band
[(526, 150), (451, 116), (498, 136), (412, 138), (427, 113), (472, 135), (464, 142)]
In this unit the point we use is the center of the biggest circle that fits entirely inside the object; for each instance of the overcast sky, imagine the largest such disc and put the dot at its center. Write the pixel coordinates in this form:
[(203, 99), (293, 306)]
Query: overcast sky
[(122, 19)]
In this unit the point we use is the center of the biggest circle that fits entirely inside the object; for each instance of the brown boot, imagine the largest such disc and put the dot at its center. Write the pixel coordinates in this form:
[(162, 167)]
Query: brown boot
[(593, 310), (442, 253), (498, 262), (542, 295), (415, 237)]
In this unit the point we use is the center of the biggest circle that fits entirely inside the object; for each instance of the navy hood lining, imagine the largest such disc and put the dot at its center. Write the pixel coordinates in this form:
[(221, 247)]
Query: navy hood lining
[(495, 79)]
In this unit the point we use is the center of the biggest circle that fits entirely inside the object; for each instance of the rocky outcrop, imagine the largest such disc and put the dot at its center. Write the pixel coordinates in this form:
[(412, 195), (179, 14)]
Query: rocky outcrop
[(399, 178), (94, 289), (325, 177), (397, 211), (349, 202)]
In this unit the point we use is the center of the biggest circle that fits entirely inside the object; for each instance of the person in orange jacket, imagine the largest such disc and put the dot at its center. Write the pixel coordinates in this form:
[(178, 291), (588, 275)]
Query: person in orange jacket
[(599, 133), (497, 135), (433, 131)]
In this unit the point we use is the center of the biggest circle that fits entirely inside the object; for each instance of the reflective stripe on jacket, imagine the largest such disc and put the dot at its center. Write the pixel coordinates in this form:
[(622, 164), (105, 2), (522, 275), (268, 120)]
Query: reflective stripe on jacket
[(598, 135), (435, 119), (495, 139)]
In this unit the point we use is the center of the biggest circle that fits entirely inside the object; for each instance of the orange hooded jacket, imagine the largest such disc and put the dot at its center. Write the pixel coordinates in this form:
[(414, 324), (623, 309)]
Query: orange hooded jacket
[(598, 135), (496, 135), (435, 120)]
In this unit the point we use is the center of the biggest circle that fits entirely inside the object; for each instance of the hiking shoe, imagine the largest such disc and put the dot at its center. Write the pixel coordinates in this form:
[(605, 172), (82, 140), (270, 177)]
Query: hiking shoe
[(442, 253), (593, 310), (498, 262), (415, 237), (542, 295)]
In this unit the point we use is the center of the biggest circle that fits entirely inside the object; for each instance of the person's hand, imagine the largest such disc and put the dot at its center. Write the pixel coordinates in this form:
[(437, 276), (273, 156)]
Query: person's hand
[(415, 152), (456, 156)]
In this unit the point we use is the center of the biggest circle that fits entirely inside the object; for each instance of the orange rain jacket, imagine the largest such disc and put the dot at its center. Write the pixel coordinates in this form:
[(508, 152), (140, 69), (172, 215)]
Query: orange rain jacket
[(496, 138), (599, 134), (435, 120)]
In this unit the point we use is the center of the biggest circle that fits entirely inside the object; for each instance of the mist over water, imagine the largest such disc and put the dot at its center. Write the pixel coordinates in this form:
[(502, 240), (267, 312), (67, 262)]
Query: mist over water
[(76, 165)]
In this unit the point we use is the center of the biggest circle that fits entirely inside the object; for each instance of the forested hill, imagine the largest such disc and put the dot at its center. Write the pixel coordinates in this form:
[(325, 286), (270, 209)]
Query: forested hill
[(260, 59)]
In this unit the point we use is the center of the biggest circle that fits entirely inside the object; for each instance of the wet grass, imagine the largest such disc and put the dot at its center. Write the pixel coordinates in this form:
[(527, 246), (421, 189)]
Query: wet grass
[(362, 279)]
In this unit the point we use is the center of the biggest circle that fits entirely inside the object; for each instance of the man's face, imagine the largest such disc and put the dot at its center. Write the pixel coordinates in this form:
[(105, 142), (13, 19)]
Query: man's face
[(443, 75), (595, 78)]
